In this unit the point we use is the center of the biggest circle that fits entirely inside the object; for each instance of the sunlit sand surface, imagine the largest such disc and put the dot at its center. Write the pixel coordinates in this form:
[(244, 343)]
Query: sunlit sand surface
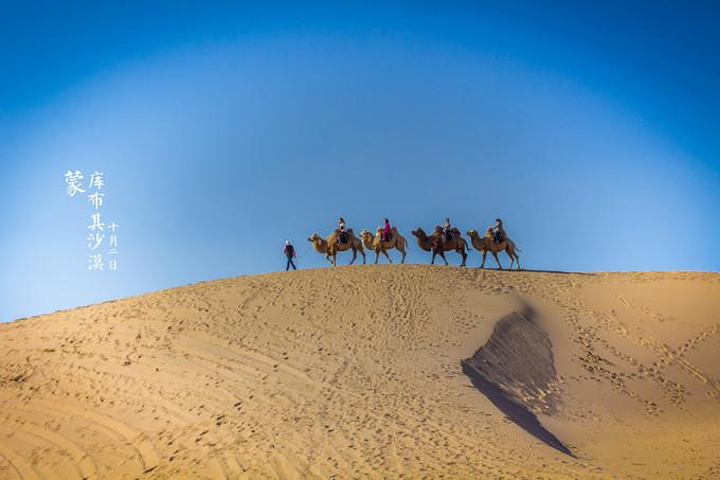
[(373, 371)]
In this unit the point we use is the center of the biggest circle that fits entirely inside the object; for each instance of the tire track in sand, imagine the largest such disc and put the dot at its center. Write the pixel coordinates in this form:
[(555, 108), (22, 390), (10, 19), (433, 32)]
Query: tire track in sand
[(146, 451), (83, 462), (23, 468)]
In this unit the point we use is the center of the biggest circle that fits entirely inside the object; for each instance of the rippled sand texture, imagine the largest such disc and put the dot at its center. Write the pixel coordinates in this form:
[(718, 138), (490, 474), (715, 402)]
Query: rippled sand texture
[(357, 372)]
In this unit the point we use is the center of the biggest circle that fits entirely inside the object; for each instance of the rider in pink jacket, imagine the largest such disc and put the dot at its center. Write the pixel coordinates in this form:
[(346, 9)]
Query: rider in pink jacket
[(386, 231)]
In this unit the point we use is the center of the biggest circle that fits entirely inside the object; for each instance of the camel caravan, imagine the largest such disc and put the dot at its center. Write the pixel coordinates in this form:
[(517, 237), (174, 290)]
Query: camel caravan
[(445, 238)]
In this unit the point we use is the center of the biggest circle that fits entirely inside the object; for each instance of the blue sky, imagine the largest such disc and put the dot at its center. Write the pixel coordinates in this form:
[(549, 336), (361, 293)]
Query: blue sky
[(224, 129)]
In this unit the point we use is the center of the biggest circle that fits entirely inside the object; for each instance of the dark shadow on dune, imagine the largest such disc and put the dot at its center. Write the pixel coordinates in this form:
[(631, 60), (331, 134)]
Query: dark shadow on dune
[(529, 270), (515, 370), (514, 411)]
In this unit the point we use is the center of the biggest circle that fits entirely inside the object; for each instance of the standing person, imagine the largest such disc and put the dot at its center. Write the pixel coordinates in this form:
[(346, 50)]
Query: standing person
[(289, 252), (386, 231)]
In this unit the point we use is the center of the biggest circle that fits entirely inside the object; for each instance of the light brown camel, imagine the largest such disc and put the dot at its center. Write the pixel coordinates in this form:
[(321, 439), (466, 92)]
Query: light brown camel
[(330, 247), (376, 244), (487, 243), (437, 244)]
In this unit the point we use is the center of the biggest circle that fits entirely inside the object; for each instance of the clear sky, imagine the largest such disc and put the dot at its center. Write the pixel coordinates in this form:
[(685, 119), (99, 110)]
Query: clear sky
[(222, 129)]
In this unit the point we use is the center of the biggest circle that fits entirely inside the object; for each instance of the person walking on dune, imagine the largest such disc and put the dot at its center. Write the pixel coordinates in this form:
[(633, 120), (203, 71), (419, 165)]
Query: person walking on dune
[(289, 252)]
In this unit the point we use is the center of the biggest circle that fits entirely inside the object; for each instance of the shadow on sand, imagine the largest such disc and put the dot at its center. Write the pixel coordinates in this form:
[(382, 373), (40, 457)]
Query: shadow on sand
[(530, 270), (514, 411), (511, 367)]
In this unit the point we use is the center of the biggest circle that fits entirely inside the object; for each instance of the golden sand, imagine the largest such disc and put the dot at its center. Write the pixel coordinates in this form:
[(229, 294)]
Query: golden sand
[(356, 372)]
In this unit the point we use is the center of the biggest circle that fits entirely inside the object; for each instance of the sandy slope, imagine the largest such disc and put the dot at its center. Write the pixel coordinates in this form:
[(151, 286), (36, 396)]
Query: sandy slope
[(355, 371)]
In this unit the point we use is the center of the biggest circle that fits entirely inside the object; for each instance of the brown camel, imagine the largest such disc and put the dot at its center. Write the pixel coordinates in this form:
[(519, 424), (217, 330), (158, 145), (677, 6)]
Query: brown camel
[(437, 244), (376, 244), (487, 243), (330, 247)]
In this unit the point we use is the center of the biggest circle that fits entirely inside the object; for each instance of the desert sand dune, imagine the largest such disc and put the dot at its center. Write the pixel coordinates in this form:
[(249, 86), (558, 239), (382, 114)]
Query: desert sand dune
[(358, 372)]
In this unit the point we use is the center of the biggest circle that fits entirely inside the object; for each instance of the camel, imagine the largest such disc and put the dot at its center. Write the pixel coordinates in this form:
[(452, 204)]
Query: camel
[(375, 243), (437, 244), (330, 247), (487, 243)]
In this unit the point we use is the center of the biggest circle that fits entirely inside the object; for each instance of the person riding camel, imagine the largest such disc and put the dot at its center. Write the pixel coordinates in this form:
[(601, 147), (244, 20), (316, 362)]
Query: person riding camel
[(498, 231), (342, 231), (446, 229), (386, 231)]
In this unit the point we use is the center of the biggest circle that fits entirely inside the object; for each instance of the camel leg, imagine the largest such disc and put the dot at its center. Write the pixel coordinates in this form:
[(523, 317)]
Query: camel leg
[(464, 256), (482, 265), (497, 260), (387, 256), (354, 256), (512, 257), (403, 255), (362, 252), (442, 255), (377, 256), (433, 258)]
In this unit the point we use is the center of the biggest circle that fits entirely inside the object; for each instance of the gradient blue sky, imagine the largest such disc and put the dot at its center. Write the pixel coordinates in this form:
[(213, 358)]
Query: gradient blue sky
[(223, 129)]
